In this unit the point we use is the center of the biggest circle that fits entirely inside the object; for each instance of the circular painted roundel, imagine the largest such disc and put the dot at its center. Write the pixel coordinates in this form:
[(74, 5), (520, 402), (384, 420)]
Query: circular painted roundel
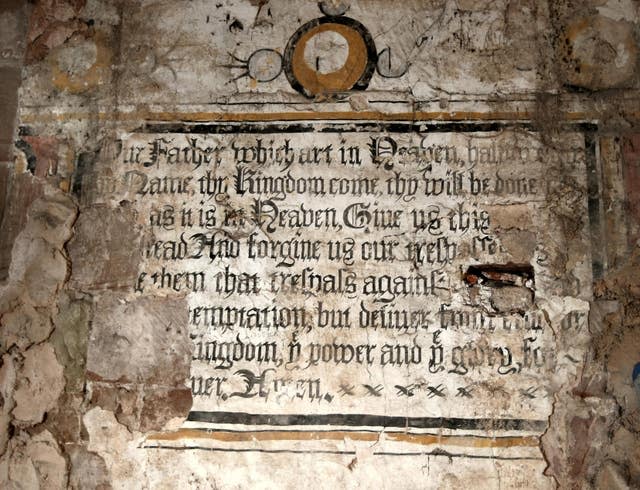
[(264, 65), (329, 55)]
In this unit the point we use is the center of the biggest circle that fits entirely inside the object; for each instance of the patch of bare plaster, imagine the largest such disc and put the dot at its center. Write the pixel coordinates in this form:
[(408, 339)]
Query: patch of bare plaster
[(511, 299), (622, 356), (65, 422), (163, 407), (40, 384), (88, 470), (600, 53), (144, 340), (77, 57), (616, 463), (38, 270), (143, 408), (70, 338), (521, 245), (124, 401), (575, 432), (575, 437), (23, 190), (43, 267), (117, 446), (25, 326), (139, 358), (513, 227), (612, 477), (359, 102), (32, 376), (566, 193), (101, 11), (36, 463), (625, 449), (593, 437), (7, 387), (109, 258), (514, 216), (51, 24), (39, 265), (52, 216)]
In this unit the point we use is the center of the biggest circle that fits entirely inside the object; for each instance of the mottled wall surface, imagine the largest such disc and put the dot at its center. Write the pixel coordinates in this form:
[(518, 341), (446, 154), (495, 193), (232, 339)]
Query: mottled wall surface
[(273, 244)]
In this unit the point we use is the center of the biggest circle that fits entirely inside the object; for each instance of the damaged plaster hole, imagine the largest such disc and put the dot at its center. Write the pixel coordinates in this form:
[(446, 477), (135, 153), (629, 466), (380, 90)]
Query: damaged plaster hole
[(326, 52), (502, 288), (500, 275)]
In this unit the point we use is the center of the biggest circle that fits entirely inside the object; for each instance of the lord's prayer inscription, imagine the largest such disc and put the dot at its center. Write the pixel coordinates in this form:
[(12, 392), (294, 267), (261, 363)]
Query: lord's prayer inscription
[(339, 270)]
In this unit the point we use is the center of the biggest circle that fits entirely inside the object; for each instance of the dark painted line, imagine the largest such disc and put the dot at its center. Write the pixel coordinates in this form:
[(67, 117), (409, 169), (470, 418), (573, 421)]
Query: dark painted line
[(324, 127), (349, 453), (249, 450), (356, 431), (365, 420), (346, 126)]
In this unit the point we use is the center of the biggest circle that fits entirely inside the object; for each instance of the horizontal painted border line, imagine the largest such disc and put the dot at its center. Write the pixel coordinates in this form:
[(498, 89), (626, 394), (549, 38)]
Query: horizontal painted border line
[(365, 420), (232, 436), (319, 432), (348, 127), (43, 117), (437, 452)]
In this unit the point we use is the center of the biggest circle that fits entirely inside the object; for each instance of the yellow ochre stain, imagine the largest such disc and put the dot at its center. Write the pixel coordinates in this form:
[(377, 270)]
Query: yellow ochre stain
[(337, 435)]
